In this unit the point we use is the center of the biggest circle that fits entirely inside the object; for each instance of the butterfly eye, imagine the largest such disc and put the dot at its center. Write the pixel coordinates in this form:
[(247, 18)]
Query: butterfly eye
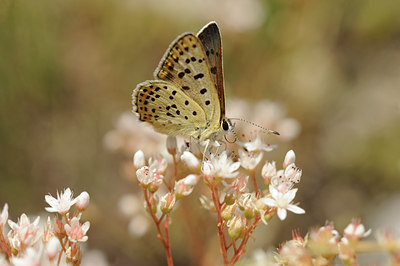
[(225, 125)]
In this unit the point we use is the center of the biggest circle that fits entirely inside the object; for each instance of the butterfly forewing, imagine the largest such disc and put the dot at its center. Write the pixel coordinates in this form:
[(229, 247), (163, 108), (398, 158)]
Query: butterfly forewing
[(185, 64), (210, 37), (168, 109)]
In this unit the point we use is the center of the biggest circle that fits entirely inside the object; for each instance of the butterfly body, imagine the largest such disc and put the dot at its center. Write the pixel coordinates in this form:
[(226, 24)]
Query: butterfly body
[(187, 96)]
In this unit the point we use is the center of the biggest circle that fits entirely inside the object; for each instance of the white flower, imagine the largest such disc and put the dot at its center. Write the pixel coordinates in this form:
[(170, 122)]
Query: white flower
[(282, 201), (82, 201), (289, 158), (3, 216), (167, 202), (268, 171), (190, 160), (171, 144), (30, 257), (221, 165), (62, 204), (257, 145), (53, 247), (249, 160), (293, 173), (129, 205), (75, 231), (185, 186), (149, 178), (355, 230), (158, 164), (23, 233), (138, 225), (138, 159)]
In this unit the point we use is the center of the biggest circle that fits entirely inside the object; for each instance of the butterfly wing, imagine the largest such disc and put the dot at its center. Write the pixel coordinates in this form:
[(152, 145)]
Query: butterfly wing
[(168, 109), (210, 37), (185, 64)]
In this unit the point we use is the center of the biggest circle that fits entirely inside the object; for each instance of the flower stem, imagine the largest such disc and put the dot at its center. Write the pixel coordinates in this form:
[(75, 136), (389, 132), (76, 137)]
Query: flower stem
[(164, 238)]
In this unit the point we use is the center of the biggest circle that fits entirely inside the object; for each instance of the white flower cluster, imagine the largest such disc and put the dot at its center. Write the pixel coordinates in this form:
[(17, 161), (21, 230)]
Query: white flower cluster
[(60, 238)]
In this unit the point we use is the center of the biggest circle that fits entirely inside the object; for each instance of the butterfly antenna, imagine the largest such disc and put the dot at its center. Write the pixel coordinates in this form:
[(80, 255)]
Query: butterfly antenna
[(254, 124)]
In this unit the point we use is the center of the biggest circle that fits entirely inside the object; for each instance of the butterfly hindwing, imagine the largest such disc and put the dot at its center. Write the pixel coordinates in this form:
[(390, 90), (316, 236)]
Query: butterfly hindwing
[(210, 37), (168, 109), (185, 64)]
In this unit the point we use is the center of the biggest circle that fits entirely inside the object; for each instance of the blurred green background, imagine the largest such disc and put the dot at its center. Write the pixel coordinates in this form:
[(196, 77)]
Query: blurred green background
[(67, 70)]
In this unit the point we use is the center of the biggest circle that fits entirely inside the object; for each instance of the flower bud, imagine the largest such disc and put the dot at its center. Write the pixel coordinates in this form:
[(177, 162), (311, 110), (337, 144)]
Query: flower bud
[(155, 184), (268, 171), (185, 186), (208, 169), (153, 204), (289, 158), (229, 199), (236, 227), (228, 212), (171, 145), (355, 230), (138, 159), (144, 176), (190, 160), (53, 248), (82, 201), (167, 202)]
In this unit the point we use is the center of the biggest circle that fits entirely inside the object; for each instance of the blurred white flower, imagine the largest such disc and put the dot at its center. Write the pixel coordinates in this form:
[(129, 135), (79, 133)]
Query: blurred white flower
[(3, 216), (354, 231), (171, 144), (138, 225), (190, 160), (53, 247), (221, 166), (138, 159), (167, 202), (23, 233), (282, 201), (94, 258), (82, 201), (63, 202), (130, 205), (77, 232), (256, 145), (290, 158), (249, 160), (30, 257)]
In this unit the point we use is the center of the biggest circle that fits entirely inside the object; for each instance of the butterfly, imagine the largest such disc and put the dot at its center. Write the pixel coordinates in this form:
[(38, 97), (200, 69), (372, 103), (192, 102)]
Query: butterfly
[(187, 96)]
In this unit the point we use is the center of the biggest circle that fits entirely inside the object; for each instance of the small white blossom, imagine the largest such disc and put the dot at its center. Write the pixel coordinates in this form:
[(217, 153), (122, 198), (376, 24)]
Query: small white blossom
[(138, 159), (185, 186), (147, 177), (82, 201), (293, 173), (53, 248), (249, 160), (289, 158), (171, 144), (23, 233), (75, 231), (30, 257), (3, 216), (257, 145), (167, 202), (138, 225), (268, 172), (190, 160), (62, 204), (355, 230), (221, 166), (282, 201), (158, 164)]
